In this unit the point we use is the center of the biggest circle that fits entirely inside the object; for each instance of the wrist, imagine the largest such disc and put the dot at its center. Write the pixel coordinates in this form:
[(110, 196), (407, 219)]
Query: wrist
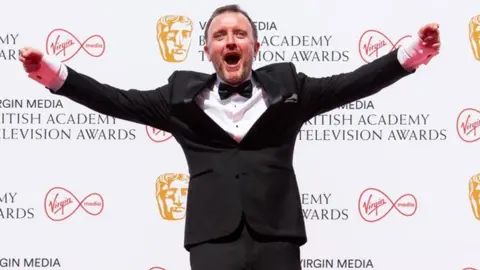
[(415, 54)]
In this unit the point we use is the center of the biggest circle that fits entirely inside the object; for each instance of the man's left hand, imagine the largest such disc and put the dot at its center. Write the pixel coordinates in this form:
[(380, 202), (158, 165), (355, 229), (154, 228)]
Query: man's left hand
[(422, 48), (430, 36)]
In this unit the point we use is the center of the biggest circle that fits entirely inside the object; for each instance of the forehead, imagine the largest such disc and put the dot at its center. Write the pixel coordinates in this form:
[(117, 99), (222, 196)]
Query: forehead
[(230, 20)]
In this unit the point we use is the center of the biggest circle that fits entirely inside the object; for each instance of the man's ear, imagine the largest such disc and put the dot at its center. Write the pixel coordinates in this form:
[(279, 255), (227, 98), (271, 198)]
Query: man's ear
[(206, 50), (257, 47)]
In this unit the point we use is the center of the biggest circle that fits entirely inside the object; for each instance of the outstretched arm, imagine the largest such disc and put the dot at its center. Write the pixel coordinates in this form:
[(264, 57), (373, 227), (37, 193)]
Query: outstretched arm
[(324, 94), (143, 107)]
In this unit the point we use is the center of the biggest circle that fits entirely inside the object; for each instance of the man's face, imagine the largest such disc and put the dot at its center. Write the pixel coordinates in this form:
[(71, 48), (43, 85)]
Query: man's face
[(231, 47)]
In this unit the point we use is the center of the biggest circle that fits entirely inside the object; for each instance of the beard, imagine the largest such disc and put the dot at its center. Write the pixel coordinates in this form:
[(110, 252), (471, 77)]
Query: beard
[(233, 77)]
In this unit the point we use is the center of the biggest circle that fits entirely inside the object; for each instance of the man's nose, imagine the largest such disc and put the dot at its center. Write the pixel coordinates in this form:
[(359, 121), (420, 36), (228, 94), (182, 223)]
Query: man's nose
[(231, 45)]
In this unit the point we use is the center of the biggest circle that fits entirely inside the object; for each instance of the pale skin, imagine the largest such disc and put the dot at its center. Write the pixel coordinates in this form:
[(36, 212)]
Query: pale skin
[(231, 36)]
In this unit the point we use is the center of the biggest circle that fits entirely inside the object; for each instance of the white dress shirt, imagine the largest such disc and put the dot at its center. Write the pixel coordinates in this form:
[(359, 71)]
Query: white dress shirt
[(237, 114)]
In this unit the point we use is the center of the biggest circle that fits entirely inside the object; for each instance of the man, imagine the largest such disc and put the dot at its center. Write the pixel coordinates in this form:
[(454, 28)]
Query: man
[(238, 129)]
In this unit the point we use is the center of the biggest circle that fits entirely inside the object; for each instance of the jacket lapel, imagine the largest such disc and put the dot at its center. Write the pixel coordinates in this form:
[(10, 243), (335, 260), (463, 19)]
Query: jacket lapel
[(188, 84), (186, 87), (272, 86), (276, 92)]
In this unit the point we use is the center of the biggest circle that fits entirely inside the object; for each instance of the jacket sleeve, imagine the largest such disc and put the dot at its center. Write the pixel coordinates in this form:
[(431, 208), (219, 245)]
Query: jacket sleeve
[(150, 107), (320, 95)]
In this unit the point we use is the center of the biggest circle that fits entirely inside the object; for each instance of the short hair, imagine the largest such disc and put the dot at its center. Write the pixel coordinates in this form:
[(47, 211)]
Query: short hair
[(230, 8)]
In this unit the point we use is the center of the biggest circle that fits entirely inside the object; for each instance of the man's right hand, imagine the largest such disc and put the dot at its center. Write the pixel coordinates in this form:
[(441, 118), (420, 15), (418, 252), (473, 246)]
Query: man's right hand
[(42, 68), (31, 59)]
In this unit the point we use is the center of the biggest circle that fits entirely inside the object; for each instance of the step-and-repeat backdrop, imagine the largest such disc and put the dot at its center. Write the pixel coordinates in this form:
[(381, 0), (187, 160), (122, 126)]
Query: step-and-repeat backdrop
[(390, 182)]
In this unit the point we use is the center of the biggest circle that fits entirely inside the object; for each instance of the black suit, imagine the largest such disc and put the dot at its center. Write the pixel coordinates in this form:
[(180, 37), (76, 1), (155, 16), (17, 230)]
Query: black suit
[(255, 178)]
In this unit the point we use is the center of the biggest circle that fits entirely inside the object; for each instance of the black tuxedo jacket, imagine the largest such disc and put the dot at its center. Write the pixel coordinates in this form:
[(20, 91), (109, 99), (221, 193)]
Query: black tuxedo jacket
[(253, 180)]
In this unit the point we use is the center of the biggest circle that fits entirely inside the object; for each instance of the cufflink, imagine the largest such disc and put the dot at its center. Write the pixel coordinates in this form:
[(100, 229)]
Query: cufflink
[(36, 77)]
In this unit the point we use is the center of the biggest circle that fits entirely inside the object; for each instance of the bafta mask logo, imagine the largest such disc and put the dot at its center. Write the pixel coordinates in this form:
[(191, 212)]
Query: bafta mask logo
[(474, 195), (171, 191), (474, 34), (174, 36)]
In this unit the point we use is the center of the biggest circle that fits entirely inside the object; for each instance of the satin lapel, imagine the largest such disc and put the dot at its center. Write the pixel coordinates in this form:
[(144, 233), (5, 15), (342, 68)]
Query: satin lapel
[(276, 91), (185, 106)]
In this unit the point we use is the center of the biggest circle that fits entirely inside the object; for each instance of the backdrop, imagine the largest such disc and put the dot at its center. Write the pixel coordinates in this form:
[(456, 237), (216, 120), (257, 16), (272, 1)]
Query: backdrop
[(387, 183)]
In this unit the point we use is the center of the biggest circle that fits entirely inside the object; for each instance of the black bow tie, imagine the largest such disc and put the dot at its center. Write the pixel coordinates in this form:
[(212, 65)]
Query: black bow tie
[(244, 89)]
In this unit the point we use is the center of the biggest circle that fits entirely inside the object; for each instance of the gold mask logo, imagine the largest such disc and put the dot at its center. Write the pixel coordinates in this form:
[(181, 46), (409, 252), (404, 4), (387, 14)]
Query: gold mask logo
[(474, 195), (474, 35), (174, 36), (171, 190)]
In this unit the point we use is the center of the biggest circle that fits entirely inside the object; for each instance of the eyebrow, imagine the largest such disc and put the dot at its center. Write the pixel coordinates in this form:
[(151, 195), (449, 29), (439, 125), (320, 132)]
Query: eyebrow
[(224, 30)]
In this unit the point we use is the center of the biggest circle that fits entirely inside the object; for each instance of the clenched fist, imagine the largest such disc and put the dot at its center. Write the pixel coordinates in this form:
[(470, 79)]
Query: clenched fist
[(430, 36), (30, 58)]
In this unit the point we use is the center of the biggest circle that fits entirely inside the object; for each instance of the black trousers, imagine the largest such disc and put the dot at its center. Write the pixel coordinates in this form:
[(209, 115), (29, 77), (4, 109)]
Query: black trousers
[(245, 250)]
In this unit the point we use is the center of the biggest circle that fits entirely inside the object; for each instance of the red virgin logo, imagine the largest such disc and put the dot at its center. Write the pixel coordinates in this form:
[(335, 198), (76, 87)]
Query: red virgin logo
[(60, 204), (374, 44), (374, 205), (468, 122), (64, 45), (157, 135)]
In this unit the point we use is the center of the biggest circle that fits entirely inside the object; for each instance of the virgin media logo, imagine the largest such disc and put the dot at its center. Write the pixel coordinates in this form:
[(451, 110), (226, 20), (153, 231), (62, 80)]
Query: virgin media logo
[(65, 45), (373, 44), (60, 204), (468, 122), (157, 135), (374, 205), (157, 268)]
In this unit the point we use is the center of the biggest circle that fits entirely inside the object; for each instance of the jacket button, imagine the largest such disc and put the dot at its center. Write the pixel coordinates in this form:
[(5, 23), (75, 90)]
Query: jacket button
[(237, 176)]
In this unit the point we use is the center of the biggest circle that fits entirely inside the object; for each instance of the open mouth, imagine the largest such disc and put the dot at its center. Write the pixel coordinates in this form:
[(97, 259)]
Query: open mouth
[(232, 58)]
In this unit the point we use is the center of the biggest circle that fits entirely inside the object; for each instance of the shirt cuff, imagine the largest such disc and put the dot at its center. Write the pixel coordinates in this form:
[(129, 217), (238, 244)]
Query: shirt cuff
[(51, 74), (415, 54)]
